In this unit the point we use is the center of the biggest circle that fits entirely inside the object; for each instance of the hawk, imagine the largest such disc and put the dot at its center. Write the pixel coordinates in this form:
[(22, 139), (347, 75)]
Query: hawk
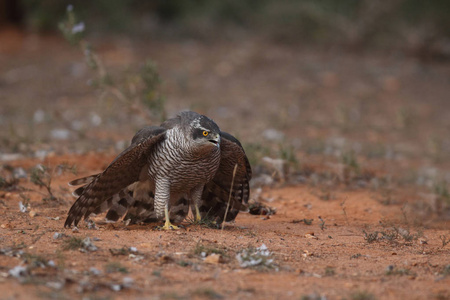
[(185, 162)]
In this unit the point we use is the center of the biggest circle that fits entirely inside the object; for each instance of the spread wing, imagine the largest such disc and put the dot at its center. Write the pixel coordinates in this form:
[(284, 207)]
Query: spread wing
[(100, 191), (216, 193)]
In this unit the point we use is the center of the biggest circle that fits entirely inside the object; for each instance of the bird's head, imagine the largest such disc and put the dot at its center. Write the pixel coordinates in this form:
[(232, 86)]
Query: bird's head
[(204, 131)]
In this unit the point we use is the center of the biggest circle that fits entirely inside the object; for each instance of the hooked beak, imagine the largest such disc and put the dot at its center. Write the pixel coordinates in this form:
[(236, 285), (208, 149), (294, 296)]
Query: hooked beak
[(215, 140)]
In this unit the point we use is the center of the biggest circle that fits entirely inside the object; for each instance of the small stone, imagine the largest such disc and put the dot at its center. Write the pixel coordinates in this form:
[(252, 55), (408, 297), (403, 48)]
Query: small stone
[(88, 245), (95, 271), (165, 259), (18, 271), (57, 235), (55, 285), (19, 173), (127, 282), (60, 134), (116, 287), (23, 208), (6, 226), (214, 259), (310, 235), (51, 263)]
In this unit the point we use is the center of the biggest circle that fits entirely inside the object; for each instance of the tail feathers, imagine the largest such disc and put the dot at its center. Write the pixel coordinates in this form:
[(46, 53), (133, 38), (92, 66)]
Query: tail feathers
[(121, 202), (179, 210), (212, 207), (83, 180), (143, 210)]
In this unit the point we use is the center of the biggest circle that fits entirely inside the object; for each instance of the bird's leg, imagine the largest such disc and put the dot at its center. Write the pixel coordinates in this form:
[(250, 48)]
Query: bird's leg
[(167, 224), (196, 195), (162, 198), (198, 217)]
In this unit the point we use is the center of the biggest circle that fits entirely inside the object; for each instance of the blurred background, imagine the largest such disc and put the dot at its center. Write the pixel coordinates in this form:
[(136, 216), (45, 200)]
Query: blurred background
[(351, 92)]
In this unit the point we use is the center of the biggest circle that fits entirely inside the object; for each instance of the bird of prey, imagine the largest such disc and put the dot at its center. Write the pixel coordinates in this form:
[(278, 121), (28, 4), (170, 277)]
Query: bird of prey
[(185, 162)]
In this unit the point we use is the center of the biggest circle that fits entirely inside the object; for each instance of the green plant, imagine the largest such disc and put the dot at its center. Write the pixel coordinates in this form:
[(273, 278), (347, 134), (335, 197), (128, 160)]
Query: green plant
[(208, 293), (255, 152), (204, 250), (362, 295), (348, 158), (441, 190), (287, 153), (42, 177), (445, 240), (139, 92), (393, 234), (113, 267), (73, 243), (446, 270), (398, 272), (322, 223), (35, 261), (330, 271)]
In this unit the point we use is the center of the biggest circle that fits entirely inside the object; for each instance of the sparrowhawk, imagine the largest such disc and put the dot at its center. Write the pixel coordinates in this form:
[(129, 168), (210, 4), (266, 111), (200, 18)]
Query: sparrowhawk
[(186, 161)]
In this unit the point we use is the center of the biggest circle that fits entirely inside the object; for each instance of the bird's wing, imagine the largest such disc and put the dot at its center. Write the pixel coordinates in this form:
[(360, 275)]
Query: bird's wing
[(216, 193), (122, 172)]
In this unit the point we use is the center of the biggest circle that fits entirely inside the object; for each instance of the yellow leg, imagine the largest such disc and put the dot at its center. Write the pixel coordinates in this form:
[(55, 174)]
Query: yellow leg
[(198, 217), (168, 225)]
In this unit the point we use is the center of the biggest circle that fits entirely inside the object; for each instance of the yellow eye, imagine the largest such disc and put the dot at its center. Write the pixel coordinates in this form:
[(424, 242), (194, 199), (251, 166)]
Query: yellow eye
[(205, 133)]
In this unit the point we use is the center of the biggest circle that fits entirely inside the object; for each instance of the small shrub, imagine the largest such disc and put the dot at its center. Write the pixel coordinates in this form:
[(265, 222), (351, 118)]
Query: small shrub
[(73, 243), (203, 250), (362, 295), (113, 267)]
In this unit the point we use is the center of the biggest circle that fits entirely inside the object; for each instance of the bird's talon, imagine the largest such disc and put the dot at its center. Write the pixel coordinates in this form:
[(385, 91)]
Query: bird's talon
[(168, 226)]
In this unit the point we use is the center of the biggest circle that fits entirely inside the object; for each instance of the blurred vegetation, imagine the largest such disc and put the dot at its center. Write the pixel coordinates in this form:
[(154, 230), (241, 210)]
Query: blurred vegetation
[(421, 28), (140, 92)]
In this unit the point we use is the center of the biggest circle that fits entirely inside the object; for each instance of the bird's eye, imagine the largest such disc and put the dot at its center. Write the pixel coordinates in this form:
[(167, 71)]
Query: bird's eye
[(205, 133)]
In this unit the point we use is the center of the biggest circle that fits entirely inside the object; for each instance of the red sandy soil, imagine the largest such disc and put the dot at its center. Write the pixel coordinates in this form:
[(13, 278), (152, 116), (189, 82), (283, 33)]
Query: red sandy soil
[(332, 259)]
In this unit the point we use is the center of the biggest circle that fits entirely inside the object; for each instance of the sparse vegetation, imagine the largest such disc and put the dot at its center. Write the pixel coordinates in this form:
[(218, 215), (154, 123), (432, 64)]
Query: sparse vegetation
[(140, 92), (206, 222), (305, 221), (362, 295), (322, 223), (446, 270), (73, 243), (204, 250), (330, 271), (208, 293), (113, 267), (445, 240), (392, 270), (42, 177), (393, 234)]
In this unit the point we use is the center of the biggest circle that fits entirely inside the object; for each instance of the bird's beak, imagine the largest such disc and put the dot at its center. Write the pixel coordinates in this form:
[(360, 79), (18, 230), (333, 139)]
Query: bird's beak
[(215, 140)]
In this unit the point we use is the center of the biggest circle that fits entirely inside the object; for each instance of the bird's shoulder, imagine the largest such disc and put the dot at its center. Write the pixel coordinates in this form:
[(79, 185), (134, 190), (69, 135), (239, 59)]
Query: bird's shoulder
[(146, 133)]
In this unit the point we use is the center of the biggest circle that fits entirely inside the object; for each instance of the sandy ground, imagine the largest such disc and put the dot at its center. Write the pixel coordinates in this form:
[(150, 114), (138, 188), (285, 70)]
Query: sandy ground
[(363, 213), (330, 257)]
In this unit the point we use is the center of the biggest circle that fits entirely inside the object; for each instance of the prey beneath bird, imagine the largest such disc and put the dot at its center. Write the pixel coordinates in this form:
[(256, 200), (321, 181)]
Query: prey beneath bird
[(185, 162)]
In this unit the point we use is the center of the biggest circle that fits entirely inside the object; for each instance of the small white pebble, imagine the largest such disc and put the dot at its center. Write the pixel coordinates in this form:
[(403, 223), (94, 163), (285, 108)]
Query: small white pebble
[(128, 282), (51, 263), (116, 287)]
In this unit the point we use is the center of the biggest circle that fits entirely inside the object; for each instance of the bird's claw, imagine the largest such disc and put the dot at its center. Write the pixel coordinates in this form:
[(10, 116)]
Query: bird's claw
[(168, 226)]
